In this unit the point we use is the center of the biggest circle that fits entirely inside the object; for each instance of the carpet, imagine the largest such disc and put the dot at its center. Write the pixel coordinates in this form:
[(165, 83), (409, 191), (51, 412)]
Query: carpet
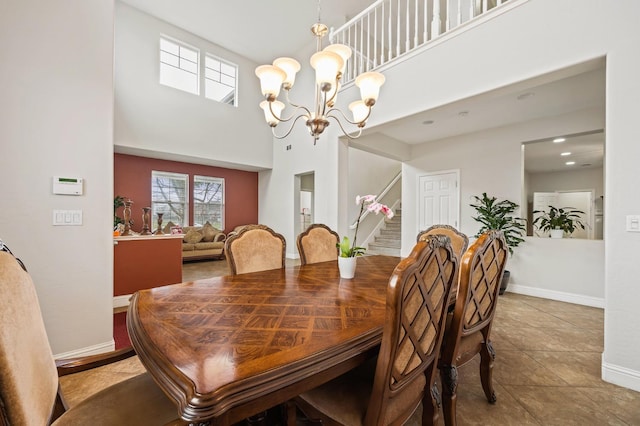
[(120, 335)]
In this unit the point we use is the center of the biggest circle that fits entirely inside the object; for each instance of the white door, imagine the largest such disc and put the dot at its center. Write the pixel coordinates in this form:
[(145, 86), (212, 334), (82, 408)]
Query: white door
[(438, 199)]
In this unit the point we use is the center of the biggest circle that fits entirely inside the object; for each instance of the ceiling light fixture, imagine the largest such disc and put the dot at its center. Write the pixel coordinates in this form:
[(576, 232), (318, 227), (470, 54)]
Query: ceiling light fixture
[(570, 163), (559, 140), (564, 154), (329, 64)]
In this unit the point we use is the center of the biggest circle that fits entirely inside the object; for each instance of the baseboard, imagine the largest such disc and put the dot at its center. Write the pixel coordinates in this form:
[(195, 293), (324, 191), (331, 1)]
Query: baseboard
[(121, 301), (621, 376), (560, 296), (89, 350)]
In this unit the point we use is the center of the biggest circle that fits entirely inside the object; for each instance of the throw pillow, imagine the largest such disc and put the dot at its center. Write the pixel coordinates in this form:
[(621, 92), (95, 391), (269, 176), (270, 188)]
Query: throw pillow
[(167, 227), (192, 237), (209, 232)]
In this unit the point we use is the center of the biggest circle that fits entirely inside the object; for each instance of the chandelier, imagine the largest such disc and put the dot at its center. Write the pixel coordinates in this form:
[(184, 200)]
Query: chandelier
[(329, 64)]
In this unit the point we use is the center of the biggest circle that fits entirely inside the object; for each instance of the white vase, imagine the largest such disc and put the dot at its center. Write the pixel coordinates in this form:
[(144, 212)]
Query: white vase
[(556, 233), (347, 267)]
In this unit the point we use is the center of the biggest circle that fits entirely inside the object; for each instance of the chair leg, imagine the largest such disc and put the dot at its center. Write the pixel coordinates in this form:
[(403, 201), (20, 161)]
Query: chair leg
[(290, 412), (487, 357), (431, 403), (449, 378)]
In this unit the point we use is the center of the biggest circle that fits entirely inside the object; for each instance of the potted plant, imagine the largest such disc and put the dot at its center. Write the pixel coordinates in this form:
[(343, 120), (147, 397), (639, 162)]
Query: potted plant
[(559, 221), (349, 250), (497, 215), (118, 202)]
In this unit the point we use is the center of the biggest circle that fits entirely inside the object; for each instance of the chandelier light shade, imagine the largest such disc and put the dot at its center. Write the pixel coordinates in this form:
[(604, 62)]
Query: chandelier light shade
[(329, 65)]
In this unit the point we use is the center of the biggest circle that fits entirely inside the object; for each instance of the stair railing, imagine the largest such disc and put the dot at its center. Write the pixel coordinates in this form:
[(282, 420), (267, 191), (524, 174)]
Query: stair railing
[(379, 197), (388, 29)]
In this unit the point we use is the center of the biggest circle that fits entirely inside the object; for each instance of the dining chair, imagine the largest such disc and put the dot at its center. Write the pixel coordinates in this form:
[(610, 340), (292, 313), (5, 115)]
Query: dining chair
[(389, 390), (468, 328), (30, 393), (318, 243), (459, 243), (255, 248)]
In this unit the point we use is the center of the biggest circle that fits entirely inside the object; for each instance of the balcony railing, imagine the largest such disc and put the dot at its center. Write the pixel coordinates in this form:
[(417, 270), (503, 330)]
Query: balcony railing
[(389, 29)]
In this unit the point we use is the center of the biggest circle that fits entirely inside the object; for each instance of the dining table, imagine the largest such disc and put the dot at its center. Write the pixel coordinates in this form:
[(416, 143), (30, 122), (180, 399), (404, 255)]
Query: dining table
[(227, 348)]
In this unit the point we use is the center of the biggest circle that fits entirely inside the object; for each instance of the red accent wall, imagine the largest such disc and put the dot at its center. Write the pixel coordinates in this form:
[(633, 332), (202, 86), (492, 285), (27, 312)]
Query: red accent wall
[(132, 179)]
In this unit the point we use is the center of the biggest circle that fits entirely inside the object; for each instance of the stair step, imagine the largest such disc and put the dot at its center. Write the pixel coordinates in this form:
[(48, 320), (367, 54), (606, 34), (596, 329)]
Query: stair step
[(390, 232), (384, 251), (388, 243)]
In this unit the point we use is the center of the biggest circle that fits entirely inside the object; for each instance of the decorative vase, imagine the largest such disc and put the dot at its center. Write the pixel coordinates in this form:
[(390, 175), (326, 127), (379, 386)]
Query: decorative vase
[(146, 218), (556, 233), (159, 228), (127, 217), (347, 267)]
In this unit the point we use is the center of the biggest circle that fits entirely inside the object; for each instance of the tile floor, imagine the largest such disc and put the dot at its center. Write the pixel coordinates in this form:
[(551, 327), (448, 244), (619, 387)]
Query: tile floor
[(547, 369)]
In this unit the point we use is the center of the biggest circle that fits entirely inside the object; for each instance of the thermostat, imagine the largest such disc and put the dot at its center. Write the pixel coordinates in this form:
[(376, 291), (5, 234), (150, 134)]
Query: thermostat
[(67, 185)]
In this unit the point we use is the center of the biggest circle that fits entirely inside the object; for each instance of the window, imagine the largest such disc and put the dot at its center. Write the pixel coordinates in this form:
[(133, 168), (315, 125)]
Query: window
[(208, 201), (179, 66), (169, 195), (220, 80)]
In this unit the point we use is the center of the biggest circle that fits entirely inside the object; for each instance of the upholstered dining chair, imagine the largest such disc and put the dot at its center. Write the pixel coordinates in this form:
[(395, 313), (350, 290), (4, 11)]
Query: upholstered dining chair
[(30, 393), (318, 243), (468, 328), (255, 248), (459, 243), (388, 390)]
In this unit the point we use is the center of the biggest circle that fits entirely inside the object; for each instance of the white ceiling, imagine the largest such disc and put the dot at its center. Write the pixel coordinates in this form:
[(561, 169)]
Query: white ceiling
[(263, 30)]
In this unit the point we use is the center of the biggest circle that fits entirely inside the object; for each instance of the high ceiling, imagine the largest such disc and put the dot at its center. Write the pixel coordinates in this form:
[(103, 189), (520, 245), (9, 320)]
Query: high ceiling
[(262, 30)]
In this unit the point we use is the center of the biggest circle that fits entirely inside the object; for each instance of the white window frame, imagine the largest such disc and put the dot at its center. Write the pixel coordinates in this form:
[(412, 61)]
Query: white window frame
[(176, 176), (219, 80), (181, 65), (199, 178)]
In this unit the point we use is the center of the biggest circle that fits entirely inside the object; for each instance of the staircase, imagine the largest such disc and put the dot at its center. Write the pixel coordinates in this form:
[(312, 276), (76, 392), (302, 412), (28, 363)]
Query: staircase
[(388, 242)]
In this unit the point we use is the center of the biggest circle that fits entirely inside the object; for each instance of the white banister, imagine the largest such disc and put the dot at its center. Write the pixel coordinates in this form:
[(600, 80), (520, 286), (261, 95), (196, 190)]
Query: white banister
[(435, 21), (390, 35), (398, 29), (386, 189)]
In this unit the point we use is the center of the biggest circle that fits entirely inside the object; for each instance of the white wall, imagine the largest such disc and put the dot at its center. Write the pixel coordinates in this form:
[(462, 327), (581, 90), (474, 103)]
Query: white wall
[(57, 119), (582, 179), (567, 269), (151, 118)]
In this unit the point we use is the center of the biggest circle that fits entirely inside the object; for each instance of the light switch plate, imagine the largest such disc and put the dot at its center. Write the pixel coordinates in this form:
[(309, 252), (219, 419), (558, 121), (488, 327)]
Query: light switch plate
[(67, 217), (633, 223)]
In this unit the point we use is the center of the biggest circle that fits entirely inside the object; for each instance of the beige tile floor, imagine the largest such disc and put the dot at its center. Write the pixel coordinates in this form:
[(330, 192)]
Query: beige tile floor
[(547, 369)]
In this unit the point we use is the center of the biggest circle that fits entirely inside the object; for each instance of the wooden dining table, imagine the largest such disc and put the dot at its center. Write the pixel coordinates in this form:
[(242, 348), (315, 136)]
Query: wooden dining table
[(226, 348)]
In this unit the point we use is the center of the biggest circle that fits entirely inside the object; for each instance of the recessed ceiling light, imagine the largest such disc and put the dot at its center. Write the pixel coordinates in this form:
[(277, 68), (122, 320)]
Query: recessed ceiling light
[(559, 140), (570, 163), (525, 96), (585, 165), (426, 122), (564, 154)]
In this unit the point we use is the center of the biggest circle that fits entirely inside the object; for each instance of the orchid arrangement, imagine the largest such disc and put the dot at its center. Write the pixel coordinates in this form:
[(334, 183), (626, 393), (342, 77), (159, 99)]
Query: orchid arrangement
[(348, 249)]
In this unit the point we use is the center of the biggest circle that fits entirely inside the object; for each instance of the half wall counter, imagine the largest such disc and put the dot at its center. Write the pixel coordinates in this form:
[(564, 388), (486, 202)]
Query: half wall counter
[(145, 261)]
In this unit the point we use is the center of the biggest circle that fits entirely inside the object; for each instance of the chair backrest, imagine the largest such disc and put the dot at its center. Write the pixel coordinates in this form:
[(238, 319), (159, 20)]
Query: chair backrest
[(459, 241), (28, 375), (417, 298), (255, 248), (481, 271), (318, 243)]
